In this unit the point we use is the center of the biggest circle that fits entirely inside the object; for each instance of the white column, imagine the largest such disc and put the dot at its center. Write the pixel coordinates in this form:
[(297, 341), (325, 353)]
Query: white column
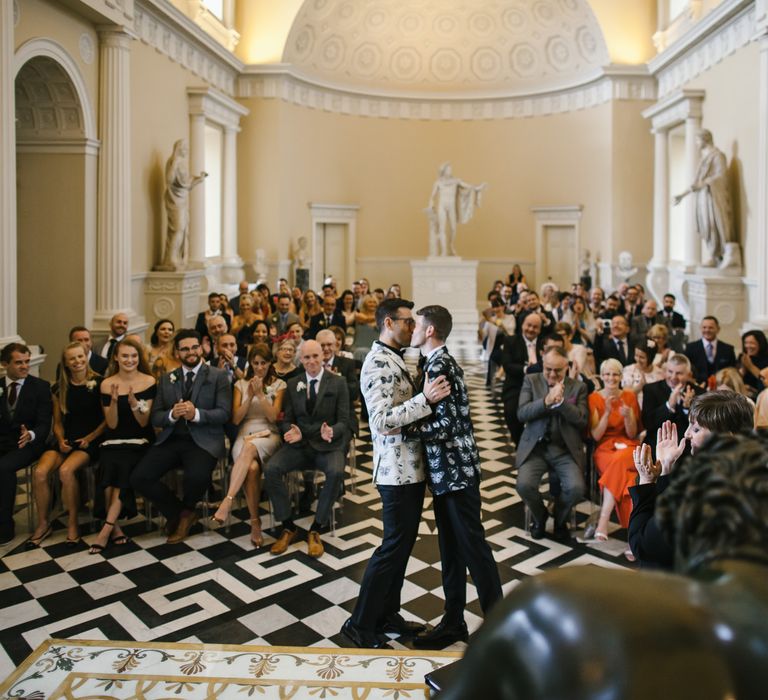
[(229, 198), (759, 315), (692, 242), (661, 198), (8, 330), (197, 195), (113, 273)]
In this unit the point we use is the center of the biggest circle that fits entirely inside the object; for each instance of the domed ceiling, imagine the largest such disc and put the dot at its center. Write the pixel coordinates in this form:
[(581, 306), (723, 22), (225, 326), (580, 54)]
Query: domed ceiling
[(447, 47)]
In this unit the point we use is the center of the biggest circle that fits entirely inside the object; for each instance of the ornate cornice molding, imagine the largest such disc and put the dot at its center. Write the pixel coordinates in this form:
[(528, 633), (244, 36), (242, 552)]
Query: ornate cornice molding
[(723, 31), (173, 34), (215, 107), (675, 109), (284, 83)]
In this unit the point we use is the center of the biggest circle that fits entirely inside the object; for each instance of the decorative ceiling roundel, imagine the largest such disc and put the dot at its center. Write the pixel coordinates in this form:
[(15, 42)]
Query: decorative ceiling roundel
[(446, 47)]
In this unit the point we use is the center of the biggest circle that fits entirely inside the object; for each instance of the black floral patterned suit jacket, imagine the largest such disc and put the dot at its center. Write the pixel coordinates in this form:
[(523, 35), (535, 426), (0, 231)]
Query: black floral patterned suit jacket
[(453, 462)]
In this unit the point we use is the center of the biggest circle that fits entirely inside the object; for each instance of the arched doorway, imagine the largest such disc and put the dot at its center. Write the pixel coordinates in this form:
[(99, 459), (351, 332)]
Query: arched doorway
[(56, 199)]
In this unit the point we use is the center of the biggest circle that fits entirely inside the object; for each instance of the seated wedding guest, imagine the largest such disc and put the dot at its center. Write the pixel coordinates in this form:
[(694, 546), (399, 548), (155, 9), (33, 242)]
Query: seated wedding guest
[(641, 324), (614, 424), (285, 366), (228, 360), (516, 276), (617, 345), (377, 293), (118, 327), (297, 296), (127, 394), (753, 361), (217, 327), (295, 334), (310, 306), (213, 310), (596, 301), (341, 340), (245, 323), (533, 305), (80, 334), (234, 302), (365, 327), (78, 423), (283, 317), (367, 314), (730, 379), (266, 296), (162, 356), (642, 371), (192, 405), (720, 412), (261, 332), (611, 308), (761, 412), (329, 316), (659, 334), (669, 399), (708, 355), (344, 368), (256, 404), (25, 423), (671, 318), (553, 408), (316, 432), (577, 354), (582, 321), (347, 308), (261, 303), (226, 311)]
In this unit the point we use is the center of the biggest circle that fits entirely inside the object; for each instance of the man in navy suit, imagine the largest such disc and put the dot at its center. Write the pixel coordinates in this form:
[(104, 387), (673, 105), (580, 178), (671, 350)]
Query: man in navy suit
[(453, 475), (193, 403), (617, 345), (709, 355), (25, 423), (80, 334), (330, 316), (316, 434), (671, 317)]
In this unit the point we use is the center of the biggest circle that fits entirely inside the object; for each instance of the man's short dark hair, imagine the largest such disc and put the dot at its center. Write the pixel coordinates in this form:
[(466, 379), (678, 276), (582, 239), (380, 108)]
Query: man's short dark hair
[(615, 297), (284, 295), (723, 411), (77, 329), (6, 354), (378, 290), (388, 309), (712, 318), (439, 318), (559, 350), (553, 338), (212, 295), (183, 334), (671, 296)]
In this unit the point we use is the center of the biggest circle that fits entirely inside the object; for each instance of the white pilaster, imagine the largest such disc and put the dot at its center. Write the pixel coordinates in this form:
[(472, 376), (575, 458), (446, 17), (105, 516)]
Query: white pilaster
[(8, 329), (197, 195), (759, 315), (113, 276), (692, 241), (661, 197), (231, 263)]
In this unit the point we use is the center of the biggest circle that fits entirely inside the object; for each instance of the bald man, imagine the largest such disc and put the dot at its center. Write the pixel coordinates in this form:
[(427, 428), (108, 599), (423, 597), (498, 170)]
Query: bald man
[(316, 433), (118, 327)]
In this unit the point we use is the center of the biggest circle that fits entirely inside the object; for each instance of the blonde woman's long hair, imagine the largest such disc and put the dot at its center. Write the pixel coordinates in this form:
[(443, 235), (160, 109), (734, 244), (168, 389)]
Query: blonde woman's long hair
[(65, 378)]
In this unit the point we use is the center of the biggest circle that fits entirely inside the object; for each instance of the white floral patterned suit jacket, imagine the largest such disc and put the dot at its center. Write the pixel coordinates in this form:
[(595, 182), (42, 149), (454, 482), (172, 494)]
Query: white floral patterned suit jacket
[(389, 391)]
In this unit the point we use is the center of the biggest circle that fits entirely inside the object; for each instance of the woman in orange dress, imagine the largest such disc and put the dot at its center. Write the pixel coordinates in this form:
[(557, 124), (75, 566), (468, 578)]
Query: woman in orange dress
[(614, 424)]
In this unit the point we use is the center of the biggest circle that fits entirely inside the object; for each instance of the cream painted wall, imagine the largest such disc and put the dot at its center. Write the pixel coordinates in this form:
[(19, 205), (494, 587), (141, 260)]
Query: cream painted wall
[(53, 20), (730, 112), (264, 27), (291, 155), (628, 26), (51, 260), (159, 116)]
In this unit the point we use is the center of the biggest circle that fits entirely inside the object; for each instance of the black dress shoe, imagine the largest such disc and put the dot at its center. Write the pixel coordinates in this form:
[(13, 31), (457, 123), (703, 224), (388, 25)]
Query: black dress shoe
[(7, 534), (538, 530), (441, 636), (362, 639), (561, 534), (397, 624)]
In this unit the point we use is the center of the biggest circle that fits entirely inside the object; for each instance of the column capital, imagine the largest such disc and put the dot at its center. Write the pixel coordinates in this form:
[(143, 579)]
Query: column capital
[(115, 36)]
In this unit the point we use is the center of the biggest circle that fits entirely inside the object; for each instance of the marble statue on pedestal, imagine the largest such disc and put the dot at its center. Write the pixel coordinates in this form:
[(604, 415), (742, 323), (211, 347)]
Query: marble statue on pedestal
[(625, 269), (451, 202), (714, 214), (178, 185), (260, 265), (300, 255)]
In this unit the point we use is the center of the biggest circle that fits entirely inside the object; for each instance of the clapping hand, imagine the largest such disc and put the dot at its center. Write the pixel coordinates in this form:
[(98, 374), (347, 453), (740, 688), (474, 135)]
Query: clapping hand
[(292, 435), (674, 397), (555, 394), (255, 385), (326, 432), (132, 401), (668, 449), (625, 410), (114, 392), (647, 470), (688, 395)]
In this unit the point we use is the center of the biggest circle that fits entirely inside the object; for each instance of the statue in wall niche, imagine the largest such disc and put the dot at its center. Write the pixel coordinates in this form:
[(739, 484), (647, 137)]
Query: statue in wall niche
[(178, 185), (714, 214), (300, 254), (585, 269), (260, 265), (451, 202), (625, 269)]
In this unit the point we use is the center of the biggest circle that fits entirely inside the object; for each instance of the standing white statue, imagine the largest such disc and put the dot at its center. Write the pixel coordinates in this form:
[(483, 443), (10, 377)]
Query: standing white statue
[(456, 202), (301, 254), (714, 215), (178, 184)]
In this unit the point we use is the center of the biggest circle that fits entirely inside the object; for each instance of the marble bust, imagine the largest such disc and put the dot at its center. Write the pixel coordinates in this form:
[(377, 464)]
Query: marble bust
[(625, 269), (451, 202)]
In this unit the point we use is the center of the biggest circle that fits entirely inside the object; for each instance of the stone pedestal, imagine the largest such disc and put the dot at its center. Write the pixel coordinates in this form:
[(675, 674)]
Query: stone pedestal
[(450, 282), (302, 279), (174, 295), (719, 293)]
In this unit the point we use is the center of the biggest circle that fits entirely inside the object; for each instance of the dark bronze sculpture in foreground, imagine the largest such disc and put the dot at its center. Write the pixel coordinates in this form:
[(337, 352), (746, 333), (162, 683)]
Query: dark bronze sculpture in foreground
[(588, 633)]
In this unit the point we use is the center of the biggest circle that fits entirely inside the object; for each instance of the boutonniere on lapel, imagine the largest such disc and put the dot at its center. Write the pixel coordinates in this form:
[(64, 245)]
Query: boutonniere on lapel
[(301, 386), (90, 384), (172, 379), (333, 369)]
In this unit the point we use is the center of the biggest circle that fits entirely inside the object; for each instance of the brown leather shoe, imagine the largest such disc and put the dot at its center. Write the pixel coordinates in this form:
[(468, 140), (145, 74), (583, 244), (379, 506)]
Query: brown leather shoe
[(315, 547), (281, 545), (186, 520)]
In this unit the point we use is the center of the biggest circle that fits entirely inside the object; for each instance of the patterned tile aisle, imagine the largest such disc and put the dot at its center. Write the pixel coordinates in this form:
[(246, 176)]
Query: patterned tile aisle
[(216, 589)]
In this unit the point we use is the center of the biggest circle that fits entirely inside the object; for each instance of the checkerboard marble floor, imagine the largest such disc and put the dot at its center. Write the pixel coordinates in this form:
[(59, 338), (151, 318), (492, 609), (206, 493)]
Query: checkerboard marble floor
[(215, 588)]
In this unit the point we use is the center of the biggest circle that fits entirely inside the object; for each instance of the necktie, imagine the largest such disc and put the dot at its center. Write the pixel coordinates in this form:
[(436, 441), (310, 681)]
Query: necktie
[(327, 320), (13, 394), (622, 351), (312, 396), (112, 343), (189, 380), (710, 353)]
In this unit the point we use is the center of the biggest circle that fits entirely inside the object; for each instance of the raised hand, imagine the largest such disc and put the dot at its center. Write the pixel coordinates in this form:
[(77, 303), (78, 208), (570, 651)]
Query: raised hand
[(132, 401), (114, 392), (646, 469), (668, 449)]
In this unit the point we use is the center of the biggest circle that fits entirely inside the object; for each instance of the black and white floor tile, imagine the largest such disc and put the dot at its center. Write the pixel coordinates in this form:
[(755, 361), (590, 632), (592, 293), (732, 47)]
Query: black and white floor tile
[(216, 588)]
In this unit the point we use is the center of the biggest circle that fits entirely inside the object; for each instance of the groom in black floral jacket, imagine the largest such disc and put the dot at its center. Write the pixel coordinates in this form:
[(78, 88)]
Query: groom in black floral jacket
[(453, 475)]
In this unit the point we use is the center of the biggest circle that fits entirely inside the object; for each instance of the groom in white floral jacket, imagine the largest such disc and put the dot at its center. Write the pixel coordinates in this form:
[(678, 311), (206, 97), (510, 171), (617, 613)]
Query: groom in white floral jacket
[(398, 472)]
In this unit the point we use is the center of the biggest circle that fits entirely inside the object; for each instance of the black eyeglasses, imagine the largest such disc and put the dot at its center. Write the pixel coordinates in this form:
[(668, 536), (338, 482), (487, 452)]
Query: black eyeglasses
[(407, 321)]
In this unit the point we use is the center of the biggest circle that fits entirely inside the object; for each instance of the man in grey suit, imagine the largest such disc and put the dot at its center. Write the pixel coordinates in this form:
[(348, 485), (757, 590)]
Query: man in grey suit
[(316, 433), (554, 409), (280, 321), (192, 405)]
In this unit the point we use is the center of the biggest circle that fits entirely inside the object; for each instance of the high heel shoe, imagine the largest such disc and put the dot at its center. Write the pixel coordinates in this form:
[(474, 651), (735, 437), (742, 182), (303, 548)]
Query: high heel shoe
[(97, 548), (226, 505), (257, 538)]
